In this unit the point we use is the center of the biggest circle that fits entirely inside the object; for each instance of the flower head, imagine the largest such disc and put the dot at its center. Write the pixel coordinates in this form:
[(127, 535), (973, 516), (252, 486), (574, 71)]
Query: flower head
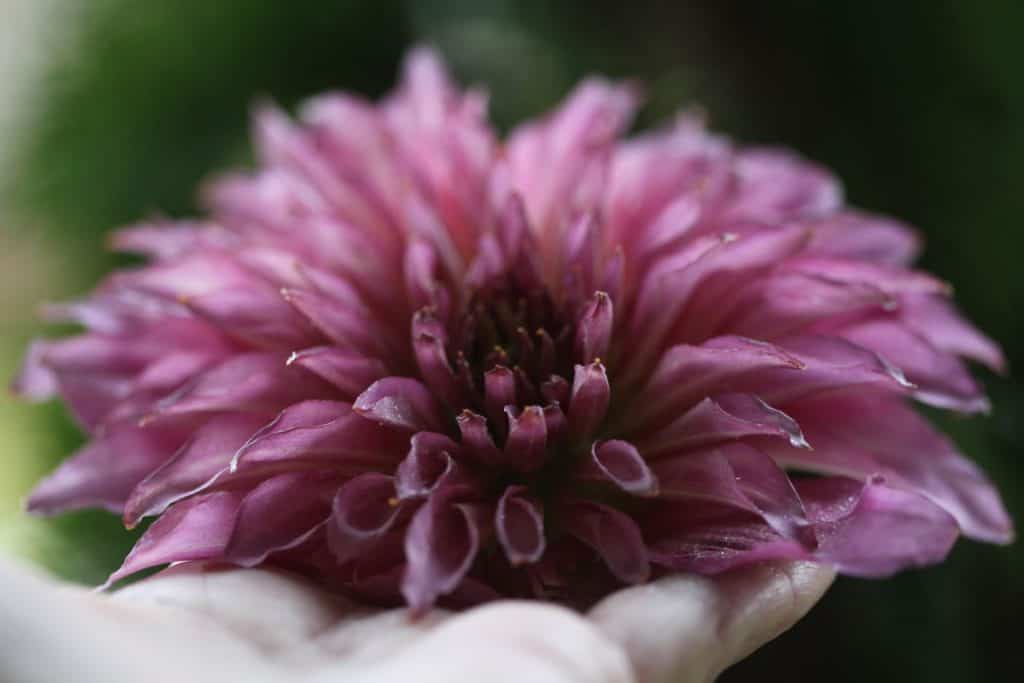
[(418, 363)]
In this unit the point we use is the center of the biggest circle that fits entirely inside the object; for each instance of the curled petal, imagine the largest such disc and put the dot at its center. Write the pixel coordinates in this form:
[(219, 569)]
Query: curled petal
[(519, 524), (363, 511), (594, 328), (428, 465), (588, 403), (440, 547), (526, 445), (873, 530), (476, 438), (400, 402), (620, 463)]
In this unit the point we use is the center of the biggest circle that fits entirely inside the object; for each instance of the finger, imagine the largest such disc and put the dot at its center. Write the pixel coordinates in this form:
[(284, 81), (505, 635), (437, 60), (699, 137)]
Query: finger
[(690, 628), (55, 632), (275, 610), (507, 642)]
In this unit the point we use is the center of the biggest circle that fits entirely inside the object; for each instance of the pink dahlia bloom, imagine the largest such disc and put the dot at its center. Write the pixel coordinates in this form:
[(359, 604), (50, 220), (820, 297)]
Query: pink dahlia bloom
[(419, 363)]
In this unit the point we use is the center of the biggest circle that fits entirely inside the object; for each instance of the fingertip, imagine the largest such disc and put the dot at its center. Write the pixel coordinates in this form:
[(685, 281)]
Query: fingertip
[(514, 640), (689, 627)]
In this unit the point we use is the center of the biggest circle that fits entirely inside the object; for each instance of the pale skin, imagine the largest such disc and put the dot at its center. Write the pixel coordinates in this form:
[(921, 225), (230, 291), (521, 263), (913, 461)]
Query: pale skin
[(198, 624)]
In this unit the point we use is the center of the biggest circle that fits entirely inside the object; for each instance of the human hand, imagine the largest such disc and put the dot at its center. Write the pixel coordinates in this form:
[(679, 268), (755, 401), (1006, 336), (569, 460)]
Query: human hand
[(196, 623)]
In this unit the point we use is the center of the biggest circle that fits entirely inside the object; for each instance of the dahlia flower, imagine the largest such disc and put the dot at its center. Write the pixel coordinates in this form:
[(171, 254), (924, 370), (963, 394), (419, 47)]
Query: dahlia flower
[(419, 363)]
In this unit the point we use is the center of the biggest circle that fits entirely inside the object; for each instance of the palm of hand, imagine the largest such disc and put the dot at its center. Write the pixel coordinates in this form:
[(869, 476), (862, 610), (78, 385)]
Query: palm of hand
[(198, 624)]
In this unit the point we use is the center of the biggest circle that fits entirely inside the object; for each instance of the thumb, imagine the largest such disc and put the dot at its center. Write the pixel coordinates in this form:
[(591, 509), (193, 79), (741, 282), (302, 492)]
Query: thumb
[(691, 628)]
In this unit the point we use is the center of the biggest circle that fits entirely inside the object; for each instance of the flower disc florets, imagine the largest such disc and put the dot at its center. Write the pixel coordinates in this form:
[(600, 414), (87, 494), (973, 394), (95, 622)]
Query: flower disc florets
[(417, 363)]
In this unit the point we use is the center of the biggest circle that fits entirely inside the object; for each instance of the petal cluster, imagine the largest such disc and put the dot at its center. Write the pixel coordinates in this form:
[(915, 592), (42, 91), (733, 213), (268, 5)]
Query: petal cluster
[(419, 363)]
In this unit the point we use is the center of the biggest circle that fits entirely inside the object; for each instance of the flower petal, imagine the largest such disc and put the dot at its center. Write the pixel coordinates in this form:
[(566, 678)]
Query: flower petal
[(519, 523)]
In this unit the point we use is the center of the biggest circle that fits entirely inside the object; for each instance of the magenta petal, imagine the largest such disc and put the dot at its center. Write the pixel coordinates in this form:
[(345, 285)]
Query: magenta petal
[(941, 378), (735, 475), (428, 465), (519, 524), (619, 463), (440, 547), (866, 435), (400, 402), (203, 458), (35, 381), (721, 418), (280, 513), (499, 391), (526, 445), (260, 383), (364, 510), (104, 471), (873, 530), (612, 535), (349, 371), (935, 319), (594, 328), (699, 536), (476, 438), (321, 433), (195, 529), (588, 403)]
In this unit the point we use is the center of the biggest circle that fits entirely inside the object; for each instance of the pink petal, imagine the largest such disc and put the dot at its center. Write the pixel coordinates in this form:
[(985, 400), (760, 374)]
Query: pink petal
[(612, 535), (195, 529), (519, 523), (400, 402)]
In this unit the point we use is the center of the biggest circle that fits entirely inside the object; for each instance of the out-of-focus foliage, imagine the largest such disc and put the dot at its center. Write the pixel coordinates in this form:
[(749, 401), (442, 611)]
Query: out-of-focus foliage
[(918, 106)]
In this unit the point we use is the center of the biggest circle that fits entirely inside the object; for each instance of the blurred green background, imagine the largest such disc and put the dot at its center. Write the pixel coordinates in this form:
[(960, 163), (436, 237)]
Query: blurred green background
[(117, 109)]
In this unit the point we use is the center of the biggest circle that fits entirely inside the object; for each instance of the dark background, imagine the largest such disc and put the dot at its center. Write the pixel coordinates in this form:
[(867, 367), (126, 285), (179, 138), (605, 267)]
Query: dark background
[(918, 106)]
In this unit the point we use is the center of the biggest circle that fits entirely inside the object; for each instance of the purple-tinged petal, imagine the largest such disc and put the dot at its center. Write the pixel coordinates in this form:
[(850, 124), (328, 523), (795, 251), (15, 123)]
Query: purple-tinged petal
[(862, 435), (195, 529), (422, 283), (200, 460), (727, 417), (36, 381), (526, 444), (104, 471), (499, 391), (556, 390), (864, 237), (280, 513), (612, 535), (519, 525), (400, 402), (873, 530), (440, 547), (257, 382), (429, 464), (429, 341), (349, 371), (320, 434), (619, 463), (594, 328), (942, 379), (476, 438), (707, 538), (735, 475), (588, 403), (363, 511), (935, 319)]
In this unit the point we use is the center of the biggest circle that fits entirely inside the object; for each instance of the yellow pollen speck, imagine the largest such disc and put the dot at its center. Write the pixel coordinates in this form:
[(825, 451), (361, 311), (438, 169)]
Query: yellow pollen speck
[(393, 502)]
